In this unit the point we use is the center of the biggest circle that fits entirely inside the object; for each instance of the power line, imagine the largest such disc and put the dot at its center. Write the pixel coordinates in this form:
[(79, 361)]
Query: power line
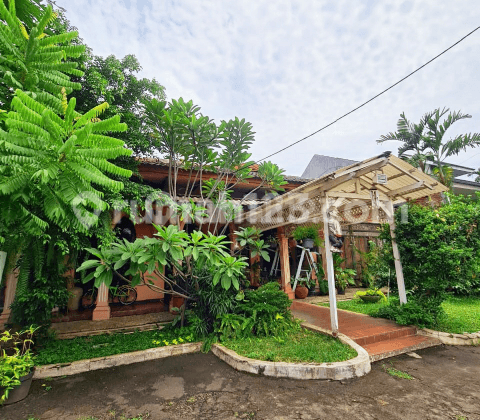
[(371, 99), (469, 158)]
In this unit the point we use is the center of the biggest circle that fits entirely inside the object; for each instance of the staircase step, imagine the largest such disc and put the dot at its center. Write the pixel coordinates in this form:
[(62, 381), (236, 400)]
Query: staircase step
[(370, 336), (389, 348)]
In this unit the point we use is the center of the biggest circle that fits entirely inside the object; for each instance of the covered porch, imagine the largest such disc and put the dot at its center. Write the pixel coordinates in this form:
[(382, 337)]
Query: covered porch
[(363, 193)]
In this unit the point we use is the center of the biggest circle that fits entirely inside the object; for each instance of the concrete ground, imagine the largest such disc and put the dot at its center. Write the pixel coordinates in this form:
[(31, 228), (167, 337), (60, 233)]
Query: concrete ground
[(445, 385)]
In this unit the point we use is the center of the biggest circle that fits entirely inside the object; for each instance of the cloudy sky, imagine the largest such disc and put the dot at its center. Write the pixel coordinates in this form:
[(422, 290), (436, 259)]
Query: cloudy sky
[(291, 67)]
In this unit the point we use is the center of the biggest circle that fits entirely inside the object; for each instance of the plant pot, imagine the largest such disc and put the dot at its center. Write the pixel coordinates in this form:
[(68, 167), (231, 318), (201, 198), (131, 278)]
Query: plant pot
[(74, 299), (370, 298), (312, 291), (301, 292), (340, 291), (21, 391), (307, 243)]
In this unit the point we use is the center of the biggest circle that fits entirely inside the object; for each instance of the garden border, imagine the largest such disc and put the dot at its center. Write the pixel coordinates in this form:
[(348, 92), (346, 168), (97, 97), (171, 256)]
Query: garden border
[(80, 366), (353, 368), (452, 339)]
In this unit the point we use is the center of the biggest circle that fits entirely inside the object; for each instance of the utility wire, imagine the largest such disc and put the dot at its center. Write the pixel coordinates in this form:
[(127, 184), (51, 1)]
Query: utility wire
[(371, 99)]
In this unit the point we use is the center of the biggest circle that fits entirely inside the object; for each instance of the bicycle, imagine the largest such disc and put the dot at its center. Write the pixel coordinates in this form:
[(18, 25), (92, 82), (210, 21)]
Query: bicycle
[(125, 294)]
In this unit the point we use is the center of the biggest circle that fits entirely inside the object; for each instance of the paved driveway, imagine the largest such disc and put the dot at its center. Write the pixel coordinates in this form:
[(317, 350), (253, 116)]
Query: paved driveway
[(446, 385)]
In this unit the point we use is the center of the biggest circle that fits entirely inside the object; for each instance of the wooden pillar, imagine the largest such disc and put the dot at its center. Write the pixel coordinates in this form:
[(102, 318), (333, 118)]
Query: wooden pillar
[(102, 308), (10, 288), (284, 262), (330, 271), (396, 256)]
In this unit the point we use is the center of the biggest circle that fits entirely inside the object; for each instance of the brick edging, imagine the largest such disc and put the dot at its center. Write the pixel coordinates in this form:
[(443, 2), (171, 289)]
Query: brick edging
[(356, 367), (466, 339), (62, 369)]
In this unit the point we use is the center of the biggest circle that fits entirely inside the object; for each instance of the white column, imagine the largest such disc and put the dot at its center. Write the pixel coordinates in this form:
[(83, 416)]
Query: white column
[(330, 270), (396, 256)]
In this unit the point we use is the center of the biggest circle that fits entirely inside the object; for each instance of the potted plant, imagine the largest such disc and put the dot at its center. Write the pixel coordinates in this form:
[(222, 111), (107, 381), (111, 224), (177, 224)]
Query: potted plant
[(16, 365), (308, 235), (301, 291), (343, 278), (371, 295)]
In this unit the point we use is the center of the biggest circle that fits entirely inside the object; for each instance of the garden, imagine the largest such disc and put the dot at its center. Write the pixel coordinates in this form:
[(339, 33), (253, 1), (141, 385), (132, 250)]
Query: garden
[(439, 253), (66, 163)]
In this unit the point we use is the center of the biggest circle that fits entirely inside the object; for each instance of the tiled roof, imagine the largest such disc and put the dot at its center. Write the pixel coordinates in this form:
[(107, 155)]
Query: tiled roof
[(164, 162)]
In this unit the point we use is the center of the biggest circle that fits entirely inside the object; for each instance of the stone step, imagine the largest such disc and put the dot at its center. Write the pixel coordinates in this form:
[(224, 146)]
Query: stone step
[(369, 336), (389, 348)]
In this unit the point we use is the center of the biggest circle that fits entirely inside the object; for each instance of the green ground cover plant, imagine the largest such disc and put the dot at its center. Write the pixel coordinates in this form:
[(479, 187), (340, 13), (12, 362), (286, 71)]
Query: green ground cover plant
[(359, 306), (462, 315), (298, 346), (66, 351)]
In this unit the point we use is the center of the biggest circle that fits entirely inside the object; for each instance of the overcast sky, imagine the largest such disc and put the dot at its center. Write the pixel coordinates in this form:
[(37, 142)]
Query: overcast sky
[(291, 67)]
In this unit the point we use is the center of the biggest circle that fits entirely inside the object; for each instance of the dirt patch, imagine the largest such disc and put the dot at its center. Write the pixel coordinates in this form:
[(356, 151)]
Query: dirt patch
[(445, 385)]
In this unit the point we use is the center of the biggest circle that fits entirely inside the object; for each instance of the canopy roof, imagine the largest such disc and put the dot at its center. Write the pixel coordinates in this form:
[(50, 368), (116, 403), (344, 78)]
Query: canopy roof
[(346, 188)]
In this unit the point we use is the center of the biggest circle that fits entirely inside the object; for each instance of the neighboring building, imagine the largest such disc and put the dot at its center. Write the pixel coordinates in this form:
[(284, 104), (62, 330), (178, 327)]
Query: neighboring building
[(321, 165)]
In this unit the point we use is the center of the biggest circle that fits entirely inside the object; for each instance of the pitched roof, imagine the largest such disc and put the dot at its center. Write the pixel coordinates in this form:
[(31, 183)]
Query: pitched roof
[(321, 165)]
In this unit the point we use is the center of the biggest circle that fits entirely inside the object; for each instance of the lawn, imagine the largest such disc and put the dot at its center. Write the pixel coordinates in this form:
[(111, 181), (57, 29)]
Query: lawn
[(462, 313), (66, 351), (358, 305), (299, 346)]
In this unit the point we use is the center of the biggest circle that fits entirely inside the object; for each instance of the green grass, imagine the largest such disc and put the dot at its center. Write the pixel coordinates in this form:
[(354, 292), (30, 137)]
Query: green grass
[(66, 351), (299, 346), (359, 306), (397, 373), (463, 315)]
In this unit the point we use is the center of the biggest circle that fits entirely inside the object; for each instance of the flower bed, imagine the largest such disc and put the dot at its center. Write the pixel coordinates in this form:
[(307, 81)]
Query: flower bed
[(80, 348)]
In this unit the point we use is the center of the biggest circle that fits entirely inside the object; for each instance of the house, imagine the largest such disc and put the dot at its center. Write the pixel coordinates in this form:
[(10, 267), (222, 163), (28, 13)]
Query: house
[(154, 172)]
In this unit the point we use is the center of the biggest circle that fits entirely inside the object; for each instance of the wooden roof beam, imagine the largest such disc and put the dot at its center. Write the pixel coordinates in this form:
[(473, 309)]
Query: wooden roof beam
[(407, 189)]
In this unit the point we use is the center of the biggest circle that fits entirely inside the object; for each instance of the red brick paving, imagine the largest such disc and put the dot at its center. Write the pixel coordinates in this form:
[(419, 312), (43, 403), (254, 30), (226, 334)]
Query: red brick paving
[(380, 337)]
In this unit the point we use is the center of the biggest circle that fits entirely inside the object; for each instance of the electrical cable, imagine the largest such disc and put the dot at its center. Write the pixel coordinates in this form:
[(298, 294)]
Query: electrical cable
[(371, 99)]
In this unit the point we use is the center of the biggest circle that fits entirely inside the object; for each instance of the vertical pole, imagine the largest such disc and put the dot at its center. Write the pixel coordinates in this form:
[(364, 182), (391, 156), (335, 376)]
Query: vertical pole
[(396, 256), (330, 271), (284, 262)]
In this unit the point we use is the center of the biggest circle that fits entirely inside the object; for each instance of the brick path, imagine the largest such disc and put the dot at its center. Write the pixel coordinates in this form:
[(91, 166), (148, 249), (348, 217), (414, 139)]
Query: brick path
[(380, 337)]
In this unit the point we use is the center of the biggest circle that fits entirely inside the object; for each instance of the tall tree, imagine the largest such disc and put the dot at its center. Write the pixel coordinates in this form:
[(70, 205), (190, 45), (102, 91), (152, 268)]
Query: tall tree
[(414, 139), (427, 140)]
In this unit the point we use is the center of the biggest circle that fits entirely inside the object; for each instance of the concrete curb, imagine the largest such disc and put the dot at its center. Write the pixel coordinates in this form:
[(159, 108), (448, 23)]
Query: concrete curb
[(65, 369), (353, 368), (465, 339)]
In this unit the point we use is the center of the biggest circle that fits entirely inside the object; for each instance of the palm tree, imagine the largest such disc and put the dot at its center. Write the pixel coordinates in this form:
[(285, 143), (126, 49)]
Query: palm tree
[(442, 149), (427, 140), (413, 137)]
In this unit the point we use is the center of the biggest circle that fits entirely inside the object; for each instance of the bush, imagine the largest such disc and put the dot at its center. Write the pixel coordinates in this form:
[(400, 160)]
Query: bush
[(263, 312), (439, 252), (424, 313), (209, 302)]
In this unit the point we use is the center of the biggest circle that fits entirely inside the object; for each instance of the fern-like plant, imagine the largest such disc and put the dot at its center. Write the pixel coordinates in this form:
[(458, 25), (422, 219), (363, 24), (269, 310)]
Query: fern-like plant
[(34, 61), (51, 163)]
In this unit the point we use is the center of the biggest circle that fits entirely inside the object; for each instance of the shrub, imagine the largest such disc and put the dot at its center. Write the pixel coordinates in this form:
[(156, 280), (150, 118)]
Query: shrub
[(263, 312), (422, 313)]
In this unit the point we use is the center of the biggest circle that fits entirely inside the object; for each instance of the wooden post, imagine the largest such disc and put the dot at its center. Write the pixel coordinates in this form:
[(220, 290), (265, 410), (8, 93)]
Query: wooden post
[(330, 270), (10, 289), (284, 262), (396, 256), (102, 308)]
